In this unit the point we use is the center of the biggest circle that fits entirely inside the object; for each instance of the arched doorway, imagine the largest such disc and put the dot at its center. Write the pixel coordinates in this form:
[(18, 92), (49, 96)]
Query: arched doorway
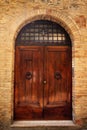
[(43, 72)]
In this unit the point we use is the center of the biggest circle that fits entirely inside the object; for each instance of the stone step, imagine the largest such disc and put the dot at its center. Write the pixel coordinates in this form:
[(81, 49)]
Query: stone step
[(44, 125)]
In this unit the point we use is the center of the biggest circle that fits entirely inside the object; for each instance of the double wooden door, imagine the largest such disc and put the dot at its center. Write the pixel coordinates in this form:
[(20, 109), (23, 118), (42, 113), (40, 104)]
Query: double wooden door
[(43, 83)]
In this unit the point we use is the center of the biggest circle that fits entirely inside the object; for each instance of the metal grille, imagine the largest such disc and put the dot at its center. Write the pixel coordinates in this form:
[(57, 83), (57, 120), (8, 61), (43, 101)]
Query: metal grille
[(43, 32)]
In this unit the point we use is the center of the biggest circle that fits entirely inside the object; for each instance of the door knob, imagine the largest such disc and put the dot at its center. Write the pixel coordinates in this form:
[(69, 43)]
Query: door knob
[(44, 82)]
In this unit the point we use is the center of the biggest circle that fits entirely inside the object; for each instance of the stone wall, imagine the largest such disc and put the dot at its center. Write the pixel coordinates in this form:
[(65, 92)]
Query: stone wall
[(72, 15)]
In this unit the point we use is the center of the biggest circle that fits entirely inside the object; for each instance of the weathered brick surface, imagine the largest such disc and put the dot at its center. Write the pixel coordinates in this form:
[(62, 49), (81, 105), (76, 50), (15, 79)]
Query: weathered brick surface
[(72, 15)]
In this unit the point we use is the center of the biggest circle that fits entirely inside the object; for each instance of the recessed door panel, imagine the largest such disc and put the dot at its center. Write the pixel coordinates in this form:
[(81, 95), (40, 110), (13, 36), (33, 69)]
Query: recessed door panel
[(57, 91), (28, 85)]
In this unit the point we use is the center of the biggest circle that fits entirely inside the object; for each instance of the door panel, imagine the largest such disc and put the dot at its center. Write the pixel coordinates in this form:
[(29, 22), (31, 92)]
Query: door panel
[(43, 83), (28, 86), (57, 91)]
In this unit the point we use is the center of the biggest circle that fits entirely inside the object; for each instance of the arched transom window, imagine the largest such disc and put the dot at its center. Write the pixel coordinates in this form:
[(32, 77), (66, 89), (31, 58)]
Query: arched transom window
[(43, 32)]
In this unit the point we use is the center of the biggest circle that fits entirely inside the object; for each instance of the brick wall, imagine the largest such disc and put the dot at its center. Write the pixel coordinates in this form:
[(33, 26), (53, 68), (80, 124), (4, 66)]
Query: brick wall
[(72, 15)]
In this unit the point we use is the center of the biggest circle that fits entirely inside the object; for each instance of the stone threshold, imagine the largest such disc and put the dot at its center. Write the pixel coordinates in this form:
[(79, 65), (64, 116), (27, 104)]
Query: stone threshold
[(42, 123)]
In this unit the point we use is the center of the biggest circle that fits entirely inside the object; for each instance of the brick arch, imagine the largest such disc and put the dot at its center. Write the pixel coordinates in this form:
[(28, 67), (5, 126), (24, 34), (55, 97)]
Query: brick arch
[(65, 21)]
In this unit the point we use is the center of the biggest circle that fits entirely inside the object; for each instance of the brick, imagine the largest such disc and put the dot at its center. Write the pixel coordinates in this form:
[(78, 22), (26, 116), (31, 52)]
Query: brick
[(70, 14)]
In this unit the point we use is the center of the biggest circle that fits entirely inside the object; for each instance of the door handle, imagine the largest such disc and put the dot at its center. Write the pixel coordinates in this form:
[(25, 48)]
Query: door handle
[(28, 75), (44, 82), (57, 75)]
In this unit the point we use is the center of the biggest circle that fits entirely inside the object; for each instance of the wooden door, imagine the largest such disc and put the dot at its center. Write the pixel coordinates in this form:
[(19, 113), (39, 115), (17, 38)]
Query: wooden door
[(58, 90), (43, 83), (28, 83)]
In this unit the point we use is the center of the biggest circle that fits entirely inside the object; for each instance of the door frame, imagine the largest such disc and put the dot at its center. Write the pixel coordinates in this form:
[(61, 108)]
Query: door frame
[(72, 83)]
